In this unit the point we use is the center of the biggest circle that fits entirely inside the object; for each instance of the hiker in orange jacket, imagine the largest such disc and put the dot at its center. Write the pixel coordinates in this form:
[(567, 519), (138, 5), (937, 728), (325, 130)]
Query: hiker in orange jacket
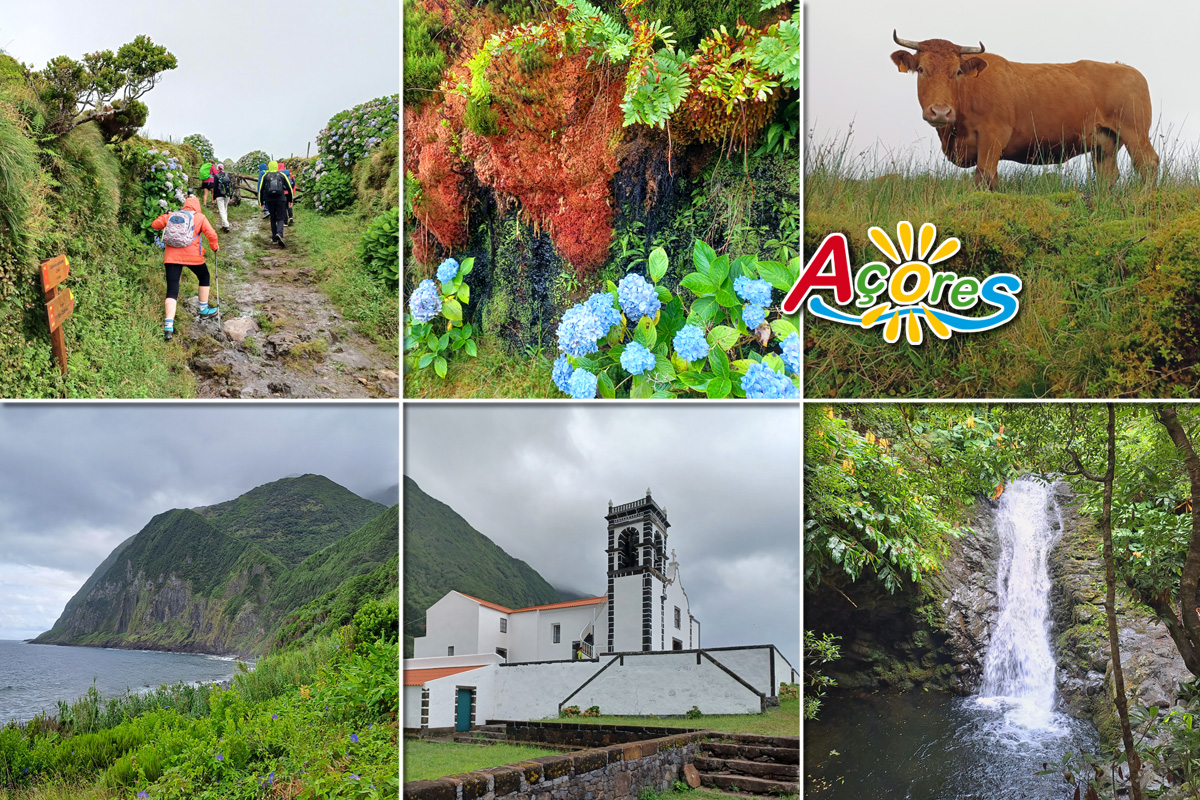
[(192, 257)]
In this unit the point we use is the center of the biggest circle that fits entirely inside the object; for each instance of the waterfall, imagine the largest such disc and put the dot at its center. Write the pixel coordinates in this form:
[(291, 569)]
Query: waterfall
[(1018, 669)]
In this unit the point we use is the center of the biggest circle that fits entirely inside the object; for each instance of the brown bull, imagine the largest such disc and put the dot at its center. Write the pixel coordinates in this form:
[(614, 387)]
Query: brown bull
[(986, 108)]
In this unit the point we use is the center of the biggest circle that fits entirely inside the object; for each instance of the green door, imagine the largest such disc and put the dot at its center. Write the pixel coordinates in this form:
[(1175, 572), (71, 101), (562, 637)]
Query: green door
[(462, 712)]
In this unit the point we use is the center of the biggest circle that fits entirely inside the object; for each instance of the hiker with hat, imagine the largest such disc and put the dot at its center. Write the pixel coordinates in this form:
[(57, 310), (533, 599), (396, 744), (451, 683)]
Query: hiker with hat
[(291, 182), (222, 191), (262, 170), (183, 248), (275, 191)]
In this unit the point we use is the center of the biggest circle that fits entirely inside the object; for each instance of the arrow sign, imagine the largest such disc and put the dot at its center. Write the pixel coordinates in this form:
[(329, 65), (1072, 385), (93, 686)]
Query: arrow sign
[(54, 272), (60, 308)]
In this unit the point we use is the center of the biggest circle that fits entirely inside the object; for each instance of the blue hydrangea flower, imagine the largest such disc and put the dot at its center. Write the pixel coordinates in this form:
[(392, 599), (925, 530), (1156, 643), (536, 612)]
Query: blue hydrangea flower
[(763, 383), (601, 305), (753, 316), (638, 297), (757, 292), (562, 374), (578, 331), (447, 271), (583, 385), (690, 344), (791, 352), (636, 359), (425, 303)]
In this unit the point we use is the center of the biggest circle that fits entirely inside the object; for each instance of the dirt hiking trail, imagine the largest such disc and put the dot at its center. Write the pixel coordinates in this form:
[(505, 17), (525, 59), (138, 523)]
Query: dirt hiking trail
[(282, 337)]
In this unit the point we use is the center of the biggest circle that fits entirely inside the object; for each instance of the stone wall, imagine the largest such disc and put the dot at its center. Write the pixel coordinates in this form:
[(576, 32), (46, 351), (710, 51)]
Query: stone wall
[(574, 734), (605, 773)]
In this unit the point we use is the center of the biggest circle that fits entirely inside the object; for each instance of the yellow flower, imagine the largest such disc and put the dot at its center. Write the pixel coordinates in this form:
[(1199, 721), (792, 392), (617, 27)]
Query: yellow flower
[(870, 437), (305, 692), (970, 422), (848, 466)]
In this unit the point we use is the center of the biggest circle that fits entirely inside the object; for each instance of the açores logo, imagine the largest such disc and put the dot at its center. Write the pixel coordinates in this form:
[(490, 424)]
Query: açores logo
[(907, 293)]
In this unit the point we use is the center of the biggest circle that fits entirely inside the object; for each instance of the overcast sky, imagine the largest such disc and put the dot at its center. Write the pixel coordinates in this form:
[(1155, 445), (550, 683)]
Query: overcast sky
[(252, 75), (536, 480), (77, 480), (850, 78)]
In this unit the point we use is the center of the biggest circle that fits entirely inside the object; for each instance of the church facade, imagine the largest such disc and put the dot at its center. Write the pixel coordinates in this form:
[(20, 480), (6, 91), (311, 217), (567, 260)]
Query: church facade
[(645, 608)]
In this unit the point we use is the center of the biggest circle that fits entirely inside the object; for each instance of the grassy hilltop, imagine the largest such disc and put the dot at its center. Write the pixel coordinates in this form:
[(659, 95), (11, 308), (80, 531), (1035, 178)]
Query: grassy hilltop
[(1111, 300)]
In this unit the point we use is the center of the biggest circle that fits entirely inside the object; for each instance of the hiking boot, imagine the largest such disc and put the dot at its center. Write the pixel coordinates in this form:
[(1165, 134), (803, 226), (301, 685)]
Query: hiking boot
[(275, 239), (266, 216), (224, 229), (167, 334), (205, 313)]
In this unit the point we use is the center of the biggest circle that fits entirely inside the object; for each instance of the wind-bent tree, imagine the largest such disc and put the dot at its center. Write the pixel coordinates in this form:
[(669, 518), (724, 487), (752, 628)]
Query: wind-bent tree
[(75, 92), (1106, 480)]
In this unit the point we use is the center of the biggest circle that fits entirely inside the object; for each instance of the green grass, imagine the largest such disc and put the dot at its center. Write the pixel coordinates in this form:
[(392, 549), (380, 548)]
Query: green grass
[(781, 721), (327, 243), (424, 760), (1109, 301), (495, 372), (321, 722)]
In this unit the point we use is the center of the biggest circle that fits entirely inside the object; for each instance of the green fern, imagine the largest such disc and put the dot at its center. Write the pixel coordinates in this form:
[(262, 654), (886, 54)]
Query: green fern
[(659, 90), (778, 53)]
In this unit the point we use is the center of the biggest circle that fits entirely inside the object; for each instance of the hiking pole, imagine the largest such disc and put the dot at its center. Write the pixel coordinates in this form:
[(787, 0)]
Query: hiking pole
[(217, 288)]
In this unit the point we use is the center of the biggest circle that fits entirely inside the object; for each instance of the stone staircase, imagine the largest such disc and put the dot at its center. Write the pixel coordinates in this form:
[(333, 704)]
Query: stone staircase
[(751, 765), (484, 734)]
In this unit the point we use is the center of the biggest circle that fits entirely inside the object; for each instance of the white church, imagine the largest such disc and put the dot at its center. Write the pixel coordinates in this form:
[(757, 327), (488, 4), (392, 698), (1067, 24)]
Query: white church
[(634, 650)]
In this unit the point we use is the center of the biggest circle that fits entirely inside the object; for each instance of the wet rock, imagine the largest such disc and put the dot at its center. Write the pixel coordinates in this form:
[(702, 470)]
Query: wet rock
[(239, 328), (280, 344), (210, 367)]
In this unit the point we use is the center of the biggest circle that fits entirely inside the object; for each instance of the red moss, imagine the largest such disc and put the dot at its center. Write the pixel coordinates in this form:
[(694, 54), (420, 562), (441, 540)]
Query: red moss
[(556, 153), (429, 155)]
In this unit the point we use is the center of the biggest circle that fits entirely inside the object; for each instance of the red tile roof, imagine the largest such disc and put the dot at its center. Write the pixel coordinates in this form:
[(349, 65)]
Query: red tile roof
[(419, 677), (587, 601)]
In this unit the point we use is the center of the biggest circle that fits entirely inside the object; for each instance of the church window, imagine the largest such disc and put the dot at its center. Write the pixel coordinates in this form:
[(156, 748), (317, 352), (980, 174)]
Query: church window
[(504, 625), (676, 616), (556, 630)]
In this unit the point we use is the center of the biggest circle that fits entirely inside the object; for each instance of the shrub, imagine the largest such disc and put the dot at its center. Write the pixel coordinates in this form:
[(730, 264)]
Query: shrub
[(334, 192), (351, 135), (202, 146), (570, 711), (379, 248), (377, 621), (249, 162), (424, 58), (694, 713)]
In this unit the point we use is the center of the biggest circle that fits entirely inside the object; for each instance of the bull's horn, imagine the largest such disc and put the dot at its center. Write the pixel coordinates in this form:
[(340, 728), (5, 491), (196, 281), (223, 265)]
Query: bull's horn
[(904, 42), (969, 50)]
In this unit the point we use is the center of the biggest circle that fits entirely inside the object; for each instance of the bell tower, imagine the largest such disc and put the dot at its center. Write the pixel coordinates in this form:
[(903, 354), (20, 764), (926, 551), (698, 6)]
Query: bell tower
[(637, 566)]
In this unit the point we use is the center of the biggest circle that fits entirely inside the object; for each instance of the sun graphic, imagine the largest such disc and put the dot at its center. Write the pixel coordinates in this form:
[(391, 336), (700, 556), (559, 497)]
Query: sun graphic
[(914, 258)]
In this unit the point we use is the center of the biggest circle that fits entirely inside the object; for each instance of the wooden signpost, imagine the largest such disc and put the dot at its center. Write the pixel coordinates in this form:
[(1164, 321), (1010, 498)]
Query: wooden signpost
[(59, 305)]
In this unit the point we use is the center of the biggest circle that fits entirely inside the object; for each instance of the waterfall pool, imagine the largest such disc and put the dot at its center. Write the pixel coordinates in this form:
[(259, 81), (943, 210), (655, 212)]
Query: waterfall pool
[(936, 746)]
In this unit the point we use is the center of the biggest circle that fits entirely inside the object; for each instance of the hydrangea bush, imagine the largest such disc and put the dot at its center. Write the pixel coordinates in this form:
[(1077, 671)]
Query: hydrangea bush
[(201, 145), (638, 340), (248, 164), (352, 134), (430, 303), (164, 182)]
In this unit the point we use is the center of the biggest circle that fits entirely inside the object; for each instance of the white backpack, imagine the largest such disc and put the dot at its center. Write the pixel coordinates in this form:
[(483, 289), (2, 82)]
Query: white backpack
[(180, 230)]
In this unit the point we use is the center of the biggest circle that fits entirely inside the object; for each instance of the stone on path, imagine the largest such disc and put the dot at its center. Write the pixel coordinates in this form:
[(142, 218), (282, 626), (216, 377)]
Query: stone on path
[(239, 328)]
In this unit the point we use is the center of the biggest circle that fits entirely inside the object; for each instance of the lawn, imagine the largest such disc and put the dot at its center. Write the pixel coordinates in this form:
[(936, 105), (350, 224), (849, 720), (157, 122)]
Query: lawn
[(781, 721), (424, 760)]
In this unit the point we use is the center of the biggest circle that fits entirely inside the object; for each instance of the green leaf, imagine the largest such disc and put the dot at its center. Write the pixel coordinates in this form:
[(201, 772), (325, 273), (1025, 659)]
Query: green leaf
[(722, 336), (776, 274), (466, 266), (700, 284), (642, 389), (718, 271), (439, 366), (719, 362), (727, 298), (664, 294), (783, 327), (706, 308), (746, 266), (718, 388), (658, 264), (663, 371), (703, 256), (424, 362), (604, 386), (645, 334), (471, 349), (452, 310), (464, 293), (431, 341)]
